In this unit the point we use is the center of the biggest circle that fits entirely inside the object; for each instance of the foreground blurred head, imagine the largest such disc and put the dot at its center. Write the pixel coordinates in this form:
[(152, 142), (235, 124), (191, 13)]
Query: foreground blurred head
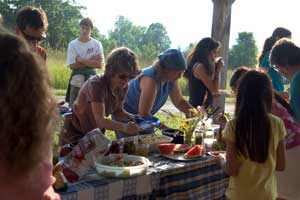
[(26, 104)]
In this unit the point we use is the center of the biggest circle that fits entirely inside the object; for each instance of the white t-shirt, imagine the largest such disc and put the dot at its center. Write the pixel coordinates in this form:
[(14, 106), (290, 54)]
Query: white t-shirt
[(84, 50)]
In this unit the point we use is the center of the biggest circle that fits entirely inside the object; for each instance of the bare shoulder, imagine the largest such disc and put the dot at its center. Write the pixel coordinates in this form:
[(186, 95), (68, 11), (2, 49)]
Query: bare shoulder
[(199, 70), (146, 81)]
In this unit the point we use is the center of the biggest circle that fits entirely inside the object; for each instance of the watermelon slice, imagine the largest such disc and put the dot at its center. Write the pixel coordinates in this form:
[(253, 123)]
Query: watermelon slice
[(181, 148), (166, 148), (195, 151)]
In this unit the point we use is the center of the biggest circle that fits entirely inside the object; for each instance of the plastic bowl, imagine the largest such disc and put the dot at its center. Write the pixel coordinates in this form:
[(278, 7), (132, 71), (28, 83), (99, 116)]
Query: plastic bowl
[(121, 172), (154, 140)]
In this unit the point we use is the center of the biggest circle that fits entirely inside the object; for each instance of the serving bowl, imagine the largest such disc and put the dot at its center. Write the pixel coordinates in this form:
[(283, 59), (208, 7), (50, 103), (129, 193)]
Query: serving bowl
[(116, 165)]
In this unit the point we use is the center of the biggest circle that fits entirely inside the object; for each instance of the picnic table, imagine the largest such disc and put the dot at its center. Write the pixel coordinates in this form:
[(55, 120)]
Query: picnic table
[(165, 179)]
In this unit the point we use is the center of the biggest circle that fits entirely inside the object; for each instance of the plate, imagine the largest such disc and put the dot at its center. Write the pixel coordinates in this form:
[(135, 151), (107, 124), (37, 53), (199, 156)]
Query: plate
[(213, 153), (182, 157), (147, 122)]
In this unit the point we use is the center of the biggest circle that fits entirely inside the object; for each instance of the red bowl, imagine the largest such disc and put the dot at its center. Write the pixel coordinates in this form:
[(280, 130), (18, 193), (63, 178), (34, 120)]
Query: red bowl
[(166, 148)]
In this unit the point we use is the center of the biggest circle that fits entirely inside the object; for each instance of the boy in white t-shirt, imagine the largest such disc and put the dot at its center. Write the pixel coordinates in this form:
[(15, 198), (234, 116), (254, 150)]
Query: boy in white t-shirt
[(84, 55)]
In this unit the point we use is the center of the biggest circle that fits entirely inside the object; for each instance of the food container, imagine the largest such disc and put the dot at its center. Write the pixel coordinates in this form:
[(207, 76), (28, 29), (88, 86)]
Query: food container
[(177, 135), (153, 141), (108, 166), (142, 149)]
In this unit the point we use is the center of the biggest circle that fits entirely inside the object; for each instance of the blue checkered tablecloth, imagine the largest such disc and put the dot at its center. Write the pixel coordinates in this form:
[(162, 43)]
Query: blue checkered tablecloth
[(165, 179)]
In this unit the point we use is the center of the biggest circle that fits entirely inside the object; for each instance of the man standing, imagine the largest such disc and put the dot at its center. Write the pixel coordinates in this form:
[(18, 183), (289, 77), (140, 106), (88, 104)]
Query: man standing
[(84, 55), (32, 25)]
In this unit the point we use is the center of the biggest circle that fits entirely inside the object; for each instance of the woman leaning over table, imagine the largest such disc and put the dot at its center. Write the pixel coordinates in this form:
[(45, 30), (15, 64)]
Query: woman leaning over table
[(285, 56), (203, 72), (26, 124), (103, 95), (149, 92)]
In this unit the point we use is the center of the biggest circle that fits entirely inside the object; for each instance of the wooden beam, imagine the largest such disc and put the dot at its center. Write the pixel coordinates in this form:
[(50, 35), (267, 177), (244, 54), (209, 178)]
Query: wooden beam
[(221, 32)]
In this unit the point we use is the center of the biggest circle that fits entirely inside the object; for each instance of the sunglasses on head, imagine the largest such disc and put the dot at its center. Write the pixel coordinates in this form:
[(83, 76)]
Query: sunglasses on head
[(126, 77), (32, 38)]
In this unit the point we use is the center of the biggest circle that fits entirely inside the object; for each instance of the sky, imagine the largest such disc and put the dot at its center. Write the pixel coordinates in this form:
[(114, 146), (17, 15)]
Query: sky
[(189, 21)]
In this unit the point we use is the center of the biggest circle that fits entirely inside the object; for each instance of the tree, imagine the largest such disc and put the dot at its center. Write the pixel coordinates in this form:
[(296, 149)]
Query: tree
[(146, 42), (244, 53)]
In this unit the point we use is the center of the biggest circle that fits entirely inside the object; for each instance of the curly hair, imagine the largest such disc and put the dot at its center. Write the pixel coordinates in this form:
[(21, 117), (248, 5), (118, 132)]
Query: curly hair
[(285, 53), (121, 60), (33, 17), (28, 109)]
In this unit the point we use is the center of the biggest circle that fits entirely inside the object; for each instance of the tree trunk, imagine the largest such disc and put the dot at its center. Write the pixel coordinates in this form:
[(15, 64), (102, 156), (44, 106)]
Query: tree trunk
[(221, 32)]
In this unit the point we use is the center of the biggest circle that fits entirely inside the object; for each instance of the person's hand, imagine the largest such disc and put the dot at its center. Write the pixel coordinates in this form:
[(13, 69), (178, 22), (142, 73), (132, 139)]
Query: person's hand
[(78, 59), (222, 120), (219, 64), (285, 96), (132, 128)]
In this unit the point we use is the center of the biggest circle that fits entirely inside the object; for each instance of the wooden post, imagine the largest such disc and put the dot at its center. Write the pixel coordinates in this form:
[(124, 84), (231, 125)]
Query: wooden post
[(221, 32)]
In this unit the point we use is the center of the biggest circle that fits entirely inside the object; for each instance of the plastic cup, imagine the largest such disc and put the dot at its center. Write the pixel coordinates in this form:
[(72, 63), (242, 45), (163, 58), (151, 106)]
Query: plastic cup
[(142, 149)]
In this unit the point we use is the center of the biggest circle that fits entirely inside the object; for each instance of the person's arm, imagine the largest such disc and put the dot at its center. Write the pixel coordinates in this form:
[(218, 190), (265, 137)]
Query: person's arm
[(232, 165), (211, 83), (121, 114), (177, 99), (93, 62), (98, 110), (280, 156), (148, 95), (265, 63)]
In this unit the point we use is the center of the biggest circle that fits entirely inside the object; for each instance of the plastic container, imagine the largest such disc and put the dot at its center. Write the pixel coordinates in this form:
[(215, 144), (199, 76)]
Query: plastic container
[(121, 172), (153, 141)]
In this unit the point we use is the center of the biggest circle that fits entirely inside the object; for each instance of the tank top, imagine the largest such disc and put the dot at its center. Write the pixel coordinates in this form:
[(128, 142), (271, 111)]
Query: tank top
[(134, 92), (197, 92)]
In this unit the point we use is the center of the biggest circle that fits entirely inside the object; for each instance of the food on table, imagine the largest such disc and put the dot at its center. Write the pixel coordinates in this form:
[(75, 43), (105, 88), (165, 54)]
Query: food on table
[(166, 148), (142, 149), (153, 139), (215, 153), (121, 165), (79, 161), (129, 147), (119, 161), (181, 148), (195, 151)]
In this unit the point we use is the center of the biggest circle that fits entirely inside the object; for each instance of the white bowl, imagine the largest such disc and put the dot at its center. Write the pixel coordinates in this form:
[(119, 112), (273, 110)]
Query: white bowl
[(121, 172)]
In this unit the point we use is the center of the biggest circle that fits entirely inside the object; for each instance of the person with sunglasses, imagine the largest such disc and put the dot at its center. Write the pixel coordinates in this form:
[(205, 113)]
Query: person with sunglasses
[(102, 96), (32, 25), (150, 91)]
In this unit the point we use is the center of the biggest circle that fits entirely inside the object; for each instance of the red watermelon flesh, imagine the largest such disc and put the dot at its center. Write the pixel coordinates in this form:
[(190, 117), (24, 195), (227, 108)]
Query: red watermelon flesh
[(166, 148), (196, 150)]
